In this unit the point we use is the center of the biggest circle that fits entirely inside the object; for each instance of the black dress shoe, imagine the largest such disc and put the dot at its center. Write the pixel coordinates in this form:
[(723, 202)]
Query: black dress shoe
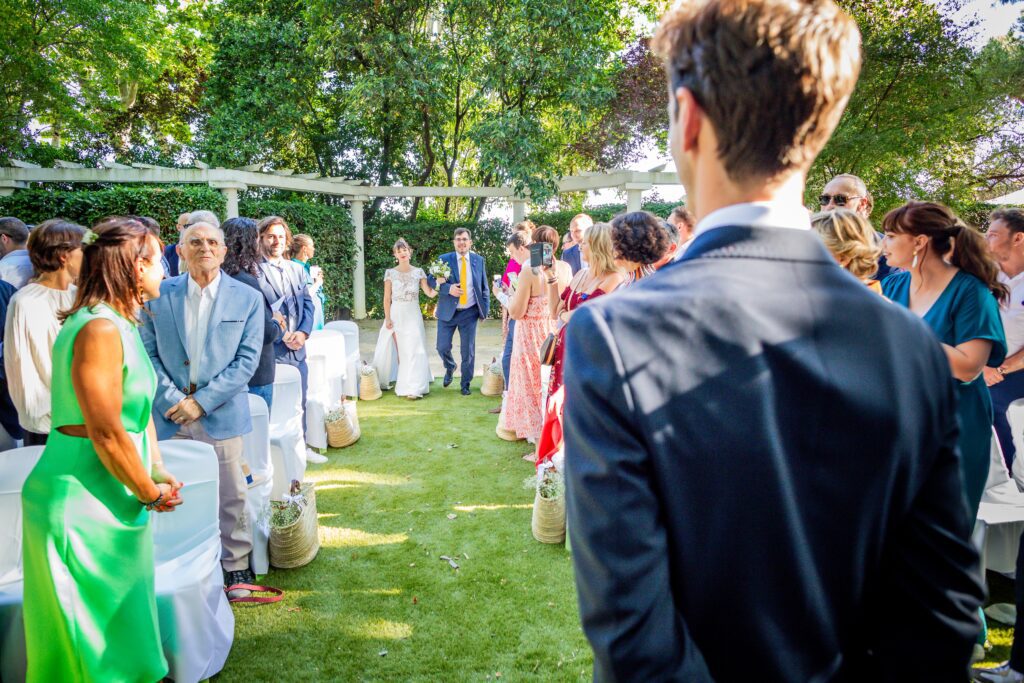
[(465, 391), (448, 377)]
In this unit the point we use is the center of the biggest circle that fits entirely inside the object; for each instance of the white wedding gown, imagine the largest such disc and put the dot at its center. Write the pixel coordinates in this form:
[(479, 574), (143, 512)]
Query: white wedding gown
[(401, 354)]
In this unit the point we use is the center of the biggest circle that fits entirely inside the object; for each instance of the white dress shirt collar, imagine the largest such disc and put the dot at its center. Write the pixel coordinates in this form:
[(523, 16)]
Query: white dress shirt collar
[(212, 288), (757, 215)]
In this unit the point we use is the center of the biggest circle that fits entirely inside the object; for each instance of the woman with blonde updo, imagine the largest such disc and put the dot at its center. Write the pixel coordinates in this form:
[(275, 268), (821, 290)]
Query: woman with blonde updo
[(851, 239)]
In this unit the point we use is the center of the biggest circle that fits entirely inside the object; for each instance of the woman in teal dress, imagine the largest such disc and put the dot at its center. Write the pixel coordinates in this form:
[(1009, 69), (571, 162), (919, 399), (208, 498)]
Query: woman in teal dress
[(90, 603), (302, 251), (950, 282)]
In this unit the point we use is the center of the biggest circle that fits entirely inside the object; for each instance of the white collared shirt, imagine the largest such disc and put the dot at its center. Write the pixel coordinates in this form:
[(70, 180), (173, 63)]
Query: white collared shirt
[(466, 286), (752, 214), (198, 307), (16, 268), (1012, 312)]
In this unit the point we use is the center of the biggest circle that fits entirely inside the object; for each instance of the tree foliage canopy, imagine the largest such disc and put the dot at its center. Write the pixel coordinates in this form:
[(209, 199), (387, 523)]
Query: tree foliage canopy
[(469, 92)]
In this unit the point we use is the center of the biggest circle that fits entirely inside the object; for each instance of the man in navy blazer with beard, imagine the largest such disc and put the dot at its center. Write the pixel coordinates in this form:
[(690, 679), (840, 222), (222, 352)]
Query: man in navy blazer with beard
[(461, 306), (763, 481)]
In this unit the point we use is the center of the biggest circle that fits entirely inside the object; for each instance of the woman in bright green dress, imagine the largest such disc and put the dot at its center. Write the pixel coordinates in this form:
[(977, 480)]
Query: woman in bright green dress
[(90, 604), (951, 283)]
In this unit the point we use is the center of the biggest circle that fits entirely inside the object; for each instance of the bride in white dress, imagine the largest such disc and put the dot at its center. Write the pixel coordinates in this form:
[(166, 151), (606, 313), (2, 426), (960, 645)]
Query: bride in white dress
[(401, 354)]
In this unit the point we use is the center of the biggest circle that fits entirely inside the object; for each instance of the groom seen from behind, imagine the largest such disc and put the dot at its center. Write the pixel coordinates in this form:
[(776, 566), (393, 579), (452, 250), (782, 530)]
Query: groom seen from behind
[(462, 302), (744, 503)]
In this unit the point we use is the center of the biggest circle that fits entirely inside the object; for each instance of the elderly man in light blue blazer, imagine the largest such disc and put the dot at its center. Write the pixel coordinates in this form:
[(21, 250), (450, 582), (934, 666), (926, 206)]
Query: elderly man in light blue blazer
[(204, 335)]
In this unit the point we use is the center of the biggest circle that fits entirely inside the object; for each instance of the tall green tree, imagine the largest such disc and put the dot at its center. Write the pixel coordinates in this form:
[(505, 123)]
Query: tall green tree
[(63, 60)]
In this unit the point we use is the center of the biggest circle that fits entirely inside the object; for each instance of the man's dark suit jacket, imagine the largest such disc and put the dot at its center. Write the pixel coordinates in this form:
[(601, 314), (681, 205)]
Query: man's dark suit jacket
[(762, 475), (171, 255), (573, 258)]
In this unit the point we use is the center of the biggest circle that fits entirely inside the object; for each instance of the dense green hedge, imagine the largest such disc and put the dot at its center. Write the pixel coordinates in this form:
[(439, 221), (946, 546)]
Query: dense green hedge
[(329, 226), (331, 230), (602, 213), (163, 203), (428, 239)]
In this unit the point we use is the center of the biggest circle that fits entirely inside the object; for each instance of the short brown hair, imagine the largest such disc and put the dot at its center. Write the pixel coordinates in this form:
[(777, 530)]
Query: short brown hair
[(683, 215), (108, 267), (269, 222), (50, 241), (14, 228), (527, 226), (462, 231), (546, 233), (1014, 218), (772, 76)]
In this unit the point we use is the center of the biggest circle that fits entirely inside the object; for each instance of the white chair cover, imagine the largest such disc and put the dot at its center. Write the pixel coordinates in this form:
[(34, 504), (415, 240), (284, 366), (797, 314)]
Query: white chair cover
[(287, 445), (325, 358), (1015, 416), (256, 450), (15, 466), (196, 623), (1000, 517), (352, 357)]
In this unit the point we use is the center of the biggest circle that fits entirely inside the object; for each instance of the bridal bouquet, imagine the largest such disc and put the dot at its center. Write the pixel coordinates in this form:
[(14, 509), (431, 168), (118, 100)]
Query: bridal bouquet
[(440, 269)]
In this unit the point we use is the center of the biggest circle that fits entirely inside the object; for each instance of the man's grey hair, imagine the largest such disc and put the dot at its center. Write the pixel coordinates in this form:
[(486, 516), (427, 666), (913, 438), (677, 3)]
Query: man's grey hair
[(201, 224), (203, 216)]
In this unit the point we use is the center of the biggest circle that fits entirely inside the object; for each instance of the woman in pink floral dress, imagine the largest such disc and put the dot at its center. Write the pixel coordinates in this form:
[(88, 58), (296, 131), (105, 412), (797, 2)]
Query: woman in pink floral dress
[(522, 412)]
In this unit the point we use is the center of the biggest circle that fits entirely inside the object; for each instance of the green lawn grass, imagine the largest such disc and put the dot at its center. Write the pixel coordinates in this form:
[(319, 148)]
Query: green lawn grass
[(377, 604)]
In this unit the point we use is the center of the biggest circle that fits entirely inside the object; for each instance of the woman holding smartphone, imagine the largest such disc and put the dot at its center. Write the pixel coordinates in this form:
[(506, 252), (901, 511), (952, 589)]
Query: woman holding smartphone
[(523, 413)]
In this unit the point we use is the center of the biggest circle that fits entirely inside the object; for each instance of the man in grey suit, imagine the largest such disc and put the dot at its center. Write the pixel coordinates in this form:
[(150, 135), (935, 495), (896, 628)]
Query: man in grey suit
[(204, 336), (284, 285)]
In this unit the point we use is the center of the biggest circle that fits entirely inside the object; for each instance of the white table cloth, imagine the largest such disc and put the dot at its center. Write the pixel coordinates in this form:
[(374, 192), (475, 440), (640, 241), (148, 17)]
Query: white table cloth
[(325, 359)]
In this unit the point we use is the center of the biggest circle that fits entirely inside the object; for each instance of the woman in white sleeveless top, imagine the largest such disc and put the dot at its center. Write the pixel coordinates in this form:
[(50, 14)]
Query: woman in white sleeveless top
[(401, 354)]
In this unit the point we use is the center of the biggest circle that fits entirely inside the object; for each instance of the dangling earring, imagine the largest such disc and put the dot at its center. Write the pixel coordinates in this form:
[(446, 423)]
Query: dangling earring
[(913, 264)]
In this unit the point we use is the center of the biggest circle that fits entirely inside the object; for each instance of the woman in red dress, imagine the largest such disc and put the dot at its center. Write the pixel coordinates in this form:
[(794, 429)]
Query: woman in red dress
[(600, 277)]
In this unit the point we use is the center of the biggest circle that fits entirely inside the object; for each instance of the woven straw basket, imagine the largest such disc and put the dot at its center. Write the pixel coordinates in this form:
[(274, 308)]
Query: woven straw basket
[(296, 544), (505, 434), (494, 381), (548, 522), (343, 431), (369, 387)]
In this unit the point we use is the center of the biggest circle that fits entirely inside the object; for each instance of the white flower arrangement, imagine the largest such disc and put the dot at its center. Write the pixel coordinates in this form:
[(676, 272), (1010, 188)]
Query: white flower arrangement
[(366, 369), (440, 269), (548, 481)]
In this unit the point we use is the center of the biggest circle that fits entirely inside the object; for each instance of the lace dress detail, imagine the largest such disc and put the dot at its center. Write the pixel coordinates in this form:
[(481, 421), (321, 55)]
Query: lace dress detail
[(405, 287)]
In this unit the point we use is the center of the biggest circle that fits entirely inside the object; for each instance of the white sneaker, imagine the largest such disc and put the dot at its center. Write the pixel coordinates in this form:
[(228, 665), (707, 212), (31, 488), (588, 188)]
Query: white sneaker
[(314, 457), (1000, 674)]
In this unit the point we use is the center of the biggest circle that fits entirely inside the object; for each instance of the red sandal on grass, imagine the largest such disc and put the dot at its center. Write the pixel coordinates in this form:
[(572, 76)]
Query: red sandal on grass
[(275, 593)]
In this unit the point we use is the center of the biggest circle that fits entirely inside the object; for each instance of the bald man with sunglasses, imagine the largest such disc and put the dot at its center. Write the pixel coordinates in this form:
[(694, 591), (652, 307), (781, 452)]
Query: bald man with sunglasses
[(847, 191)]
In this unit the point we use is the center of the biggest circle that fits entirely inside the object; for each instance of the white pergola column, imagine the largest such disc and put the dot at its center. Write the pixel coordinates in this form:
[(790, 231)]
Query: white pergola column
[(230, 191), (359, 272), (635, 195), (518, 210)]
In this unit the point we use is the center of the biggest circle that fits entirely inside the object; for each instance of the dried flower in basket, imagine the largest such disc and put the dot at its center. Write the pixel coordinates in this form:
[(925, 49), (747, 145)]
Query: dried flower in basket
[(366, 369)]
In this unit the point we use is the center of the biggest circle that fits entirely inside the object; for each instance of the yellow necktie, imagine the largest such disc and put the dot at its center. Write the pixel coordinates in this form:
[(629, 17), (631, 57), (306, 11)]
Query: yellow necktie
[(464, 297)]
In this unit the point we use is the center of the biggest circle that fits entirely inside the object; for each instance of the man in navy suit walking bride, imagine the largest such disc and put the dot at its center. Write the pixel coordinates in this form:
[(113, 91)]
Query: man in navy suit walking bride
[(461, 307)]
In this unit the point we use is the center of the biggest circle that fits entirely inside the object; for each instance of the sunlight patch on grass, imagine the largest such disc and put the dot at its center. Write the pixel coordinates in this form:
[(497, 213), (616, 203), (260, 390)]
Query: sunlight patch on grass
[(374, 591), (339, 478), (495, 506), (380, 629), (354, 538)]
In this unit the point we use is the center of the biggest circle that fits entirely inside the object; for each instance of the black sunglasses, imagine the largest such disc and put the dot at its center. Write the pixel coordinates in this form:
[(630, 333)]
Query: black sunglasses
[(837, 199)]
